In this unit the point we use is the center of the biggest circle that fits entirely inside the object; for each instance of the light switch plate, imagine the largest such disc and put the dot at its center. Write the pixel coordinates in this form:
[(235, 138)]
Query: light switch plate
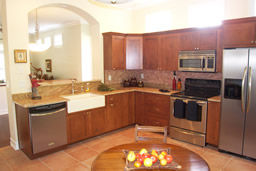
[(142, 76), (109, 77)]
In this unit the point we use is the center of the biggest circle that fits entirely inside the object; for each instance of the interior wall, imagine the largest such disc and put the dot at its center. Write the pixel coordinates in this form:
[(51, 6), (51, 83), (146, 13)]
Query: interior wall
[(3, 101), (179, 12), (66, 59)]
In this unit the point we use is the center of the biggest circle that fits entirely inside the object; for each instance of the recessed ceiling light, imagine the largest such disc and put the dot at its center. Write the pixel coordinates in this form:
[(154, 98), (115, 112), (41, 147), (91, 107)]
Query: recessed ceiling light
[(113, 1)]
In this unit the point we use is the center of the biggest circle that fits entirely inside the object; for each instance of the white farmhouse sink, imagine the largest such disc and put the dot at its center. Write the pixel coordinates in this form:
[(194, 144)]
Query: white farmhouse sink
[(86, 101)]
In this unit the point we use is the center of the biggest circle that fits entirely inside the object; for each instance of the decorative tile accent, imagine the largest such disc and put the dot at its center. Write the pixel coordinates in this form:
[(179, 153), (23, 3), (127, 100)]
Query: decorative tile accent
[(155, 78)]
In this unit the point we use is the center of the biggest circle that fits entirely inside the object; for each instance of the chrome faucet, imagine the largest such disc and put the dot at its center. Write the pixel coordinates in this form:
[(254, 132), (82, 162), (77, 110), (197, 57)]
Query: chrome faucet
[(73, 86)]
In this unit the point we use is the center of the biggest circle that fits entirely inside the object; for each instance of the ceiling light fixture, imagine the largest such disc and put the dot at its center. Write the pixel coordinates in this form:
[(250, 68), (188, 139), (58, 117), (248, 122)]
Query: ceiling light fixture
[(38, 46), (113, 2)]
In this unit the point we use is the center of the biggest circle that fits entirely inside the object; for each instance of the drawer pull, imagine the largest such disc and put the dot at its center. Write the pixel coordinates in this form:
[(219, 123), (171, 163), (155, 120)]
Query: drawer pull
[(111, 98), (111, 105)]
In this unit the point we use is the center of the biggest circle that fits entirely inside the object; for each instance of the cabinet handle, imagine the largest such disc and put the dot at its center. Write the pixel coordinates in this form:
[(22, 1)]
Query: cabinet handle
[(111, 98), (252, 41), (114, 68), (195, 48), (255, 42), (111, 105), (157, 109)]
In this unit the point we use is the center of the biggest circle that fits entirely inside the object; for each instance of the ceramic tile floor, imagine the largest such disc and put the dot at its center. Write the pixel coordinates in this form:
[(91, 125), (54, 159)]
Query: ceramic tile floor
[(79, 156)]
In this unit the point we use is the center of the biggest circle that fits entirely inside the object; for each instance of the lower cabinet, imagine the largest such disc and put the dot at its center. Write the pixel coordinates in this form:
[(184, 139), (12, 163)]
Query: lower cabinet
[(152, 109), (213, 123), (119, 110), (84, 124)]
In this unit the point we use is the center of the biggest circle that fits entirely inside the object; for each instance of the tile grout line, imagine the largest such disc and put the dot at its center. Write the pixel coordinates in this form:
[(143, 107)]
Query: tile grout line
[(6, 163), (227, 163), (44, 164)]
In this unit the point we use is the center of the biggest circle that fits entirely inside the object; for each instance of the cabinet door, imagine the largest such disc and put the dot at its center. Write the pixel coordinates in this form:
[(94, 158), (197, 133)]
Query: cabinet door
[(96, 121), (118, 52), (127, 116), (207, 39), (76, 127), (213, 123), (112, 109), (134, 52), (189, 40), (239, 35), (139, 108), (151, 45), (171, 47)]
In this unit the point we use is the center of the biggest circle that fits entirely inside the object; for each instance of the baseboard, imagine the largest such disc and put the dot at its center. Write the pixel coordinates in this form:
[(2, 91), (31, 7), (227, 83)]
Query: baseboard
[(14, 144)]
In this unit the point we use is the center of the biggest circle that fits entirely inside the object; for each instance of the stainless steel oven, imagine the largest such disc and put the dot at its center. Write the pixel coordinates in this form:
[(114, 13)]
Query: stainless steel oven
[(200, 61), (187, 130)]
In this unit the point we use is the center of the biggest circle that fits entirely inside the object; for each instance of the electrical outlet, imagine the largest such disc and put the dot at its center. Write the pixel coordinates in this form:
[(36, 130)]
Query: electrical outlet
[(142, 76), (109, 77)]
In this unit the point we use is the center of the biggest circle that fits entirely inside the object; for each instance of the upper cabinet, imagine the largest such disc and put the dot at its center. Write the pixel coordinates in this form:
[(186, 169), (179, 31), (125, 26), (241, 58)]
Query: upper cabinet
[(161, 51), (151, 51), (114, 51), (134, 52), (205, 39), (239, 34)]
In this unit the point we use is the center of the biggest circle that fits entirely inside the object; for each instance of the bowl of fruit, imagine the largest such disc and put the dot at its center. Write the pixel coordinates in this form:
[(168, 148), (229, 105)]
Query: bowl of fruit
[(150, 159)]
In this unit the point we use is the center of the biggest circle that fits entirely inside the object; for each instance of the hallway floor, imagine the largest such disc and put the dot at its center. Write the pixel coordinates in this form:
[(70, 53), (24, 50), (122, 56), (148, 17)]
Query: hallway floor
[(79, 156), (4, 131)]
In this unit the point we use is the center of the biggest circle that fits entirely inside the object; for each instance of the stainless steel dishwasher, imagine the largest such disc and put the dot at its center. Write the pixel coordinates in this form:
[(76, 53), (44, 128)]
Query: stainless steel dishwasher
[(48, 126)]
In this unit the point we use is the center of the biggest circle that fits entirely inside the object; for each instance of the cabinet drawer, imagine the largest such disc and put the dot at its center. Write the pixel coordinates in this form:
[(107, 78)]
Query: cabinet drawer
[(157, 99), (158, 109), (157, 120), (112, 98)]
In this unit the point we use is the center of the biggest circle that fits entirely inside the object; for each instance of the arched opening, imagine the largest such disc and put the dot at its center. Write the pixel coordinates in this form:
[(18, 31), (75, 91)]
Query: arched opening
[(74, 58)]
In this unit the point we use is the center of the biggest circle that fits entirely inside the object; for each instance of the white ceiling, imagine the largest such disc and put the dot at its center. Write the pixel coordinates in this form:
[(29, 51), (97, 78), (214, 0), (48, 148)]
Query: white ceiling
[(50, 18)]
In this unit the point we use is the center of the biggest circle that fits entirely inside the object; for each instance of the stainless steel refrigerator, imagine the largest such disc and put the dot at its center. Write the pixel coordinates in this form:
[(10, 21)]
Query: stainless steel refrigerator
[(238, 103)]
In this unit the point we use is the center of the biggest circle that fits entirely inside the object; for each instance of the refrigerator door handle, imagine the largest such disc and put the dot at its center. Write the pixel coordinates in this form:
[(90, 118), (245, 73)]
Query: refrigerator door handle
[(242, 94), (249, 89)]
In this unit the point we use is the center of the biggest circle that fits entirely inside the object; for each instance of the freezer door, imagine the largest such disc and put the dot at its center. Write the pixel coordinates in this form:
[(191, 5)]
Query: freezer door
[(235, 62), (250, 122)]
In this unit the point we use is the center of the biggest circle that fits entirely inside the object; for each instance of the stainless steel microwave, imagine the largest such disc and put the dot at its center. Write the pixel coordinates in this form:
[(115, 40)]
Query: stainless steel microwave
[(199, 61)]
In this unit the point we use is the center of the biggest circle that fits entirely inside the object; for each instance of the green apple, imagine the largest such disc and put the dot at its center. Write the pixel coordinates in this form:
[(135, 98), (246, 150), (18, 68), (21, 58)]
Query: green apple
[(142, 151), (148, 162), (131, 156)]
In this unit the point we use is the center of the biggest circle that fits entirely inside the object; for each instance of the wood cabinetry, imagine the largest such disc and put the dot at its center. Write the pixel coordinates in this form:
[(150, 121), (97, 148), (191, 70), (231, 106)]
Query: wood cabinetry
[(84, 124), (114, 51), (239, 34), (134, 52), (161, 51), (213, 123), (152, 109), (120, 110), (199, 40), (151, 52)]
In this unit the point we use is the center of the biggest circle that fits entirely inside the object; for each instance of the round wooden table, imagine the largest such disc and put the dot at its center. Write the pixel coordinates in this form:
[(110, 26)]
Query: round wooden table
[(113, 159)]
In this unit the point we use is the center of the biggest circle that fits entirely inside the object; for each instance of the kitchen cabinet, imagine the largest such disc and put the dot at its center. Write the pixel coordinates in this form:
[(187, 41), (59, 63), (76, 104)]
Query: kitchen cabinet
[(139, 108), (161, 51), (120, 110), (151, 51), (239, 34), (152, 109), (85, 124), (205, 39), (213, 123), (134, 52), (170, 52), (114, 51)]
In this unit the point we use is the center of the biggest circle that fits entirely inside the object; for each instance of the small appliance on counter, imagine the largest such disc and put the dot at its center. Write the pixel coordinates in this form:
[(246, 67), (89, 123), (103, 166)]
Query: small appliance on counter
[(126, 83), (133, 82), (140, 84)]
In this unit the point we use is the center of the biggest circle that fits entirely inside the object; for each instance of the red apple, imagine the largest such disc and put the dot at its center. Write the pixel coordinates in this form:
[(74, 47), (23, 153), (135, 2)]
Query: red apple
[(146, 155), (168, 158), (137, 155), (140, 158), (154, 158), (137, 164)]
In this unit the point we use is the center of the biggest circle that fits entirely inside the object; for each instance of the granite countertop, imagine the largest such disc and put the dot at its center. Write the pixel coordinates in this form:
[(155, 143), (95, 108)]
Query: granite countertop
[(28, 102)]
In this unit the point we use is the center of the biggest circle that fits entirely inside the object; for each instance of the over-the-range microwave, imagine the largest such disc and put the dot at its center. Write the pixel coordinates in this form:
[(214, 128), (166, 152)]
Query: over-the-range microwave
[(199, 61)]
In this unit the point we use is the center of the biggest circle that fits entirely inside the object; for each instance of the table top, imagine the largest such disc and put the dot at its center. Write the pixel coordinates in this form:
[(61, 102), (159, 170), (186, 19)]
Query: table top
[(113, 159)]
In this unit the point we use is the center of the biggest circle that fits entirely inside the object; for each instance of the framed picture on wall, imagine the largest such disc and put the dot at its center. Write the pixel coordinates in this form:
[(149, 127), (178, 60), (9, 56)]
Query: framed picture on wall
[(20, 56), (48, 65)]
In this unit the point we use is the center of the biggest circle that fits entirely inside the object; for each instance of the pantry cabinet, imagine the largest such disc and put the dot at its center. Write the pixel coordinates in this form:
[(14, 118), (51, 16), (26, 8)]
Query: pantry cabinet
[(205, 39), (213, 123), (85, 124), (114, 51)]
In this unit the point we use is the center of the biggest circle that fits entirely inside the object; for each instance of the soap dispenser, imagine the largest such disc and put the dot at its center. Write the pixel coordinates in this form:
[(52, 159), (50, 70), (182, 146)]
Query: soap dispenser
[(87, 87)]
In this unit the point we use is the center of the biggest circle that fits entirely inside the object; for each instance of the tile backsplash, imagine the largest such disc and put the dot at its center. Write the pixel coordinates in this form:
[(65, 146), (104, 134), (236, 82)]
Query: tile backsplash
[(155, 78)]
